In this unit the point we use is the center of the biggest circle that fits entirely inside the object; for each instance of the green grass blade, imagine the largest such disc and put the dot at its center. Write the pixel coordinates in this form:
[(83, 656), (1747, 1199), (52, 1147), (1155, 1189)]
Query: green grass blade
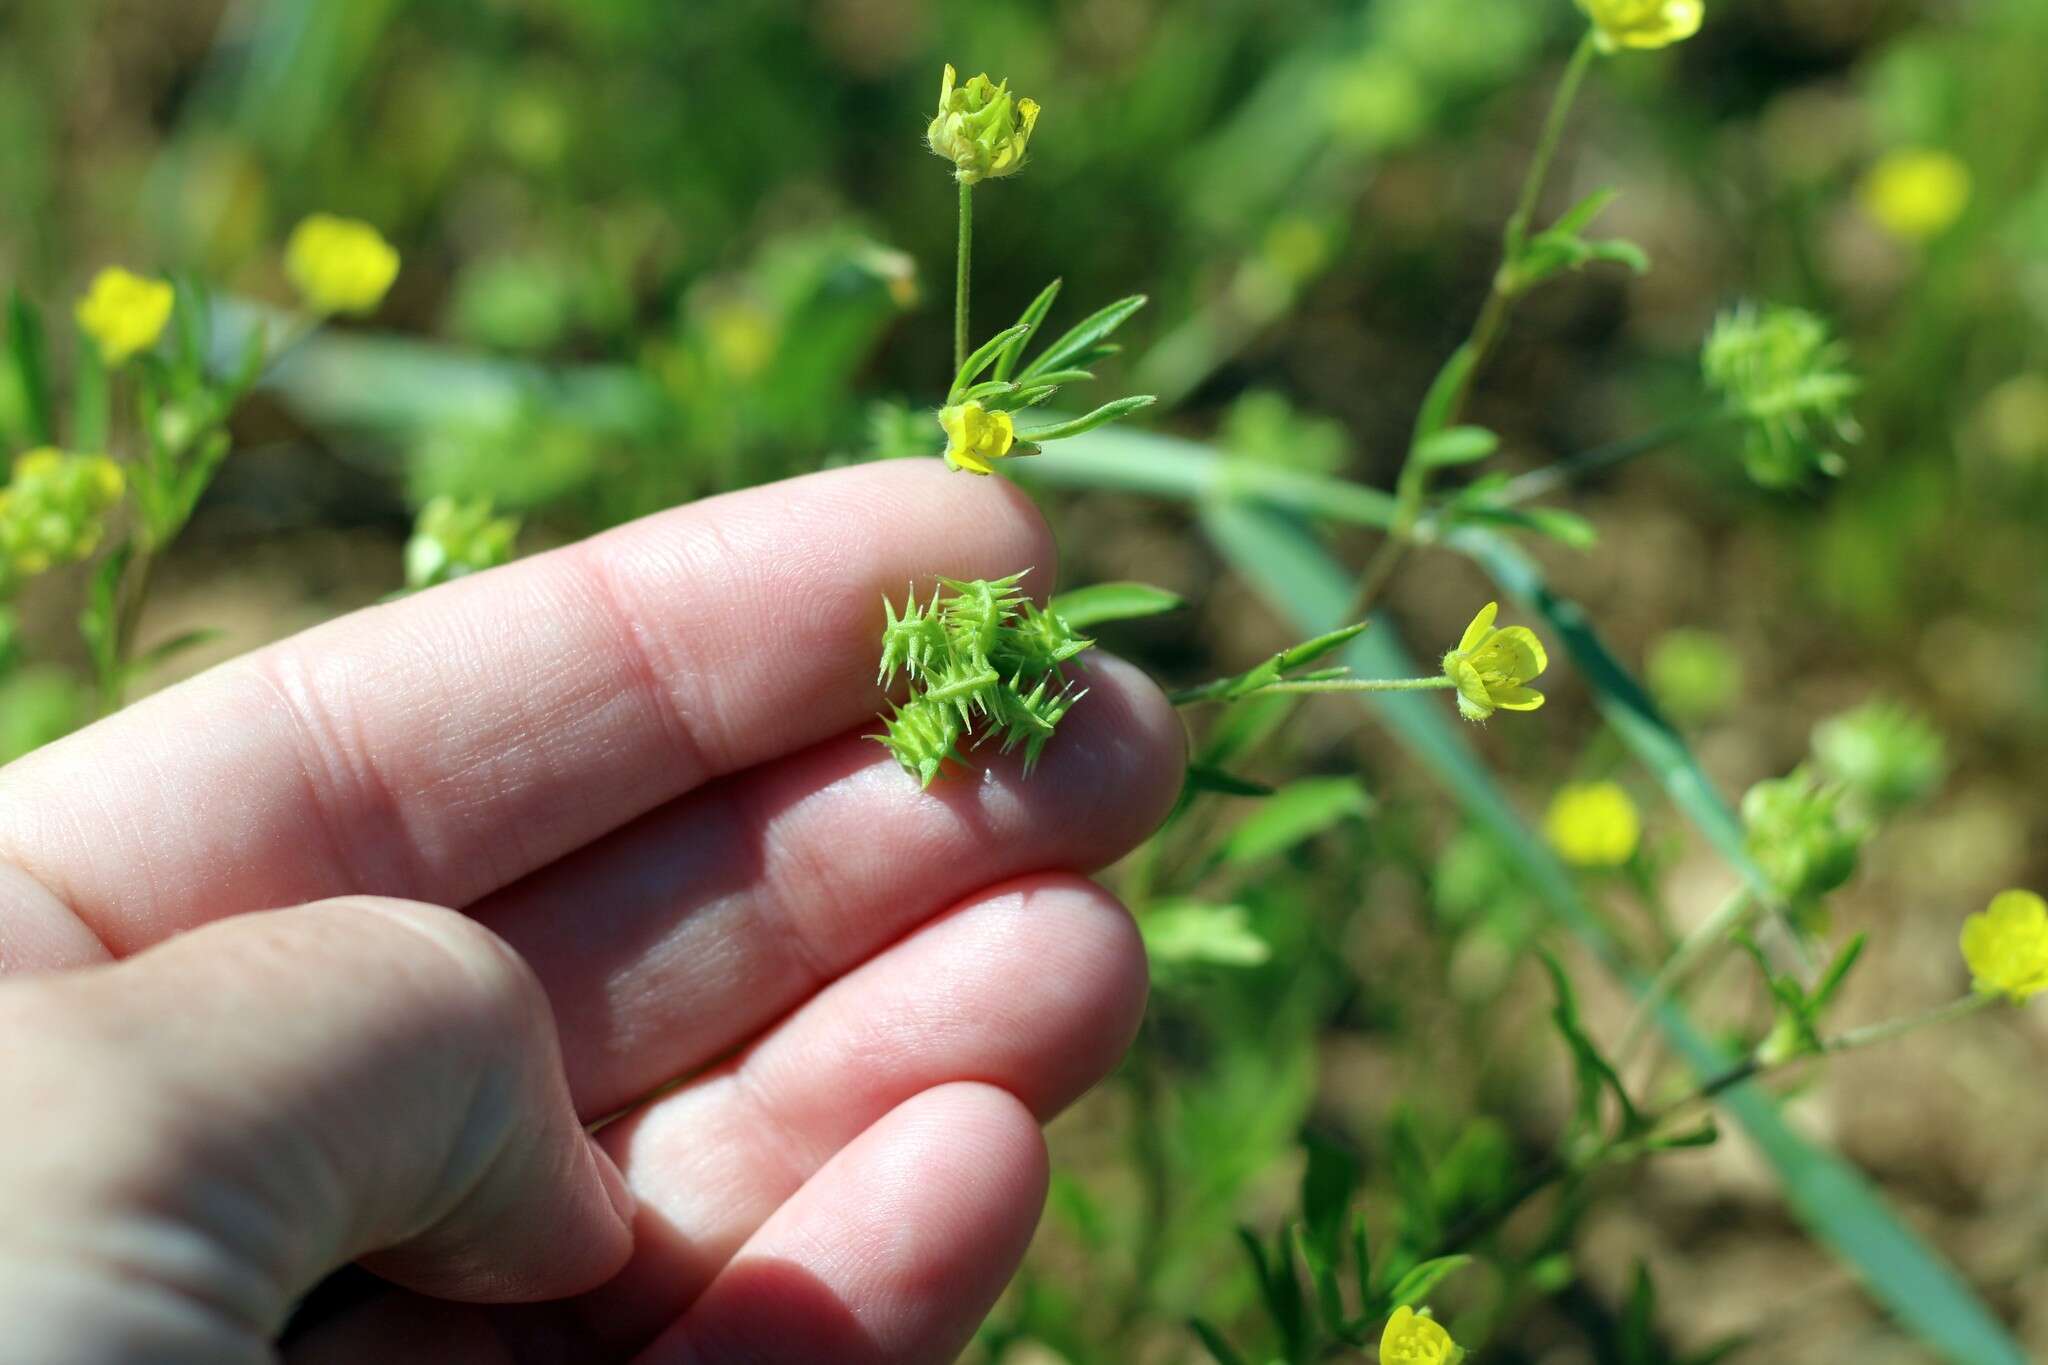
[(1129, 461), (1830, 1197)]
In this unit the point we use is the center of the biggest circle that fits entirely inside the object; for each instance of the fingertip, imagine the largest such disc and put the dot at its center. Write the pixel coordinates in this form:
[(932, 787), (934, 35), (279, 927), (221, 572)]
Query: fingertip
[(1122, 752)]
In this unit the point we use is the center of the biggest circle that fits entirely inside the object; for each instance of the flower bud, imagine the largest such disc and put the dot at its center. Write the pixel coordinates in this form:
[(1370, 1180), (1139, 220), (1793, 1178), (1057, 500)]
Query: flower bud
[(1797, 836), (451, 539), (980, 128), (1642, 23)]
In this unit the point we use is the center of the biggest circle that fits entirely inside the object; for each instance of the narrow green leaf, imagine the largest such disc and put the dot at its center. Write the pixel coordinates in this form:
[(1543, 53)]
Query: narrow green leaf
[(30, 354), (1580, 216), (1295, 814), (159, 655), (1837, 972), (1706, 1135), (1186, 933), (1058, 377), (1271, 671), (1327, 1184), (1457, 445), (1108, 412), (1620, 251), (1414, 1287), (990, 389), (1595, 1072), (1202, 778), (1073, 348), (193, 318), (1031, 317), (980, 358), (1435, 413), (1082, 608), (1361, 1262), (1220, 1350), (91, 401), (1130, 461)]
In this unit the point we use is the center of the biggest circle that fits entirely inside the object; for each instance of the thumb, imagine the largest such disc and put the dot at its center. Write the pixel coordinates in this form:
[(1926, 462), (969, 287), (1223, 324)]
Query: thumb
[(198, 1134)]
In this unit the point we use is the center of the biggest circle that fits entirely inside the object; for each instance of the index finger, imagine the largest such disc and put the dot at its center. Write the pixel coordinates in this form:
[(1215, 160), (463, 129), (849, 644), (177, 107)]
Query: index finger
[(442, 746)]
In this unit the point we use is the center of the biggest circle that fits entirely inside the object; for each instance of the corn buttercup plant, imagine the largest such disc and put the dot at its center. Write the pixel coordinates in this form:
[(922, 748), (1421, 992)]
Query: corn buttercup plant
[(1332, 1285), (122, 466)]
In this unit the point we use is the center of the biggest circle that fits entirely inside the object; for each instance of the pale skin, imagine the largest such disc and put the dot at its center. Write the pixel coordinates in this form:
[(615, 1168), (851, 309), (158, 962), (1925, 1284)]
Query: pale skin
[(334, 953)]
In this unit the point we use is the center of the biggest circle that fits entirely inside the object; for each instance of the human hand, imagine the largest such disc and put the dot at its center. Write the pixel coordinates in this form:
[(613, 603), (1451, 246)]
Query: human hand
[(830, 1010)]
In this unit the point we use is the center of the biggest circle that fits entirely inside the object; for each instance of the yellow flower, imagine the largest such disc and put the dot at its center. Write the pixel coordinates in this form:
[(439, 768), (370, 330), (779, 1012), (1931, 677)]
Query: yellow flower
[(1414, 1338), (2007, 945), (339, 265), (1642, 23), (976, 437), (980, 129), (1916, 194), (1593, 824), (124, 313), (1492, 668)]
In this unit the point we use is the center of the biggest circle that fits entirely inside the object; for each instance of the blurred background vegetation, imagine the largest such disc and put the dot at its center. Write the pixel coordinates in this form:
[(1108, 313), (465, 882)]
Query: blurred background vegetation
[(654, 250)]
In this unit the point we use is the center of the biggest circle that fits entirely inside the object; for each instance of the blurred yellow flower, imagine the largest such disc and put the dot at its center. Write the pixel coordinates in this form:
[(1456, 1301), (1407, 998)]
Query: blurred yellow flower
[(1917, 193), (2007, 945), (1492, 667), (980, 128), (1642, 23), (1593, 824), (1414, 1338), (124, 313), (340, 265), (976, 437)]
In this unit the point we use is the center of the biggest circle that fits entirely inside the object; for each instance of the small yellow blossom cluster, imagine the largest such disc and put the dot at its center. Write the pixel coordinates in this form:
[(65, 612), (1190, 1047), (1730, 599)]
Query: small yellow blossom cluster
[(1414, 1338), (124, 313), (1593, 824), (980, 128), (53, 511), (2007, 945), (1642, 23), (1492, 667), (975, 437), (339, 265)]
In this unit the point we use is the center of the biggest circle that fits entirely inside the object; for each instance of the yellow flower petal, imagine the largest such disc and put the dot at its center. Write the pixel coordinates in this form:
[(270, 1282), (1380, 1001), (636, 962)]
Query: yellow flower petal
[(1477, 631), (1517, 698)]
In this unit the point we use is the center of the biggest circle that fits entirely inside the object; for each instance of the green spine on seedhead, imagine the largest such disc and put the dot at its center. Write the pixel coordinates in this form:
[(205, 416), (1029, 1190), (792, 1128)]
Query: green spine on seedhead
[(978, 654)]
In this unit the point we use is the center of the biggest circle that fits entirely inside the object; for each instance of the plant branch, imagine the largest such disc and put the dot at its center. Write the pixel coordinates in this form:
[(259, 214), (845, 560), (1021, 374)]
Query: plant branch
[(960, 275)]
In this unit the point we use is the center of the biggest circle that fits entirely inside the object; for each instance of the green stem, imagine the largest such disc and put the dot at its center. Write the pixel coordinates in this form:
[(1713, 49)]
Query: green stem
[(1557, 1167), (1220, 691), (1413, 481), (1539, 483), (960, 274), (1713, 932)]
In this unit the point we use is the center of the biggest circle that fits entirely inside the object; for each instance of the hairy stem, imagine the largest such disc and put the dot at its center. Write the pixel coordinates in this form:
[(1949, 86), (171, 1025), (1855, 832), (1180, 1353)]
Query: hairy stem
[(960, 275), (1220, 691), (1412, 484)]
